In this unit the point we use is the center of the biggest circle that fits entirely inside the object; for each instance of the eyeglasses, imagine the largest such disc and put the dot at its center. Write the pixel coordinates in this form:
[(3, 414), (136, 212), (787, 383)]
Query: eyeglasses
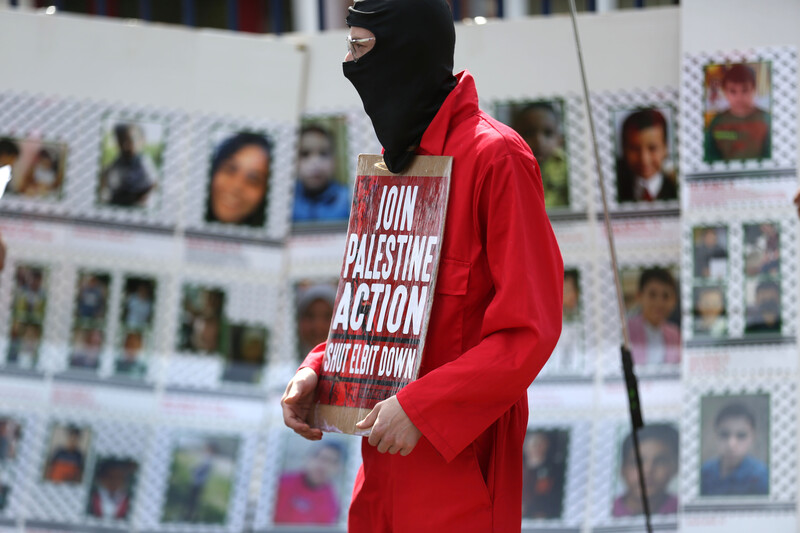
[(352, 48)]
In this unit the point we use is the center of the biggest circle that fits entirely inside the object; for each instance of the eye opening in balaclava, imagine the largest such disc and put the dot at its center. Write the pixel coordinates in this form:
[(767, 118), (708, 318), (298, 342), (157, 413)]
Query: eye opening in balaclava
[(407, 75)]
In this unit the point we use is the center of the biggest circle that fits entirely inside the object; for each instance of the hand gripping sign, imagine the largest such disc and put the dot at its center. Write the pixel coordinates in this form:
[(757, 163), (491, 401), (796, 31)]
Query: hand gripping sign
[(386, 288)]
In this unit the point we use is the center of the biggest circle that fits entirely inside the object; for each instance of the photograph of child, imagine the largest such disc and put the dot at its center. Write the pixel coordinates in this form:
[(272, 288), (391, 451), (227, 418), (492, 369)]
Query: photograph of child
[(735, 445), (202, 320), (91, 302), (87, 347), (658, 445), (130, 362), (238, 180), (30, 294), (24, 344), (28, 306), (737, 120), (245, 353), (10, 435), (651, 299), (710, 252), (201, 477), (761, 249), (321, 192), (763, 301), (645, 168), (37, 167), (569, 351), (314, 305), (544, 456), (311, 485), (132, 154), (541, 124), (67, 453), (710, 312), (112, 488), (5, 493)]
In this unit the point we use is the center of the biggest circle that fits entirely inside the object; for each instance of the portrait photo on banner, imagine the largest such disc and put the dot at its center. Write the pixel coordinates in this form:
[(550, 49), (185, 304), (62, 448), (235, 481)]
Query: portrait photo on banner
[(131, 161), (569, 355), (67, 453), (245, 352), (37, 167), (659, 450), (323, 186), (737, 111), (112, 488), (89, 319), (28, 306), (10, 437), (313, 300), (135, 331), (544, 472), (541, 124), (645, 154), (203, 325), (238, 178), (312, 486), (652, 304), (735, 445), (201, 479)]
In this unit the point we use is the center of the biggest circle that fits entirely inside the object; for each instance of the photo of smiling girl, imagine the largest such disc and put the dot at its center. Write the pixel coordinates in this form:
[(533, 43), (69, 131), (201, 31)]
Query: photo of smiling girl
[(239, 180)]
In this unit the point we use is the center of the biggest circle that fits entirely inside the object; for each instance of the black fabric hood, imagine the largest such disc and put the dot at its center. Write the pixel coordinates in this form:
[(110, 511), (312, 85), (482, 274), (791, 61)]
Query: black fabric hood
[(406, 77)]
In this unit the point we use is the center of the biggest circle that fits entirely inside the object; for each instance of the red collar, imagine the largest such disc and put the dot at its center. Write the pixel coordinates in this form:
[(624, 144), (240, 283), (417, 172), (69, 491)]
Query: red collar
[(461, 103)]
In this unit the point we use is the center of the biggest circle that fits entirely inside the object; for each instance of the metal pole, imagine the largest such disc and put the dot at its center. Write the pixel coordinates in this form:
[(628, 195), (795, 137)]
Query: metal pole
[(634, 405)]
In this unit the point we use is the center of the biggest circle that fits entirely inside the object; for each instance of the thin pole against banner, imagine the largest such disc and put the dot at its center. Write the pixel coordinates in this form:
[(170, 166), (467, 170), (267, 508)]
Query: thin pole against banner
[(634, 406)]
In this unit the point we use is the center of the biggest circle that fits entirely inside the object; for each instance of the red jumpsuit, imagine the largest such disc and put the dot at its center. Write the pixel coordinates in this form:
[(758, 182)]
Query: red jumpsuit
[(495, 320)]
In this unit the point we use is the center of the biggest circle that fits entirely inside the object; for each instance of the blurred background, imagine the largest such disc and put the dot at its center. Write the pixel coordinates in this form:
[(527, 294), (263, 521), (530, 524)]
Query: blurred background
[(175, 224)]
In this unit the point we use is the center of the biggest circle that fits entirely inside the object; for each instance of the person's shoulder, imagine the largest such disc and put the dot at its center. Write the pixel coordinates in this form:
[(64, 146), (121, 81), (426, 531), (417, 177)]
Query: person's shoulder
[(754, 466), (710, 467), (498, 138)]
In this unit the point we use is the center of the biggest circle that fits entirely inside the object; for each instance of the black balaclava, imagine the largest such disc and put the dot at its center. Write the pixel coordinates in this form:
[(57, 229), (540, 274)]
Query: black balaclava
[(407, 75)]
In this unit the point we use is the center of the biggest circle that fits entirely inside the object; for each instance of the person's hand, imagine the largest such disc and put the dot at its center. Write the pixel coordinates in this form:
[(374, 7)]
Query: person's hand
[(297, 402), (797, 201), (392, 430)]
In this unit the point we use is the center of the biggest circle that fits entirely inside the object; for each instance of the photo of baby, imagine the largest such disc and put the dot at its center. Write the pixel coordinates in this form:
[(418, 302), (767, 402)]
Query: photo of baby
[(644, 162), (738, 124), (735, 445)]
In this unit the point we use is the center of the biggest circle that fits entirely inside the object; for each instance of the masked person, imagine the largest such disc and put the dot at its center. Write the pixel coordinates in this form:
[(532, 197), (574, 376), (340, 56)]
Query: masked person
[(445, 453)]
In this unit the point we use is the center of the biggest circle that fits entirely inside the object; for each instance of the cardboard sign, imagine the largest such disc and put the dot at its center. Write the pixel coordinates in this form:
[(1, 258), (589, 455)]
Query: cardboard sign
[(386, 288)]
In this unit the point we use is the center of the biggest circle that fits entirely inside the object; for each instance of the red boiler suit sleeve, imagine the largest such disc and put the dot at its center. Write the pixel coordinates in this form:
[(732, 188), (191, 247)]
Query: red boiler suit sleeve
[(456, 402), (314, 358)]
